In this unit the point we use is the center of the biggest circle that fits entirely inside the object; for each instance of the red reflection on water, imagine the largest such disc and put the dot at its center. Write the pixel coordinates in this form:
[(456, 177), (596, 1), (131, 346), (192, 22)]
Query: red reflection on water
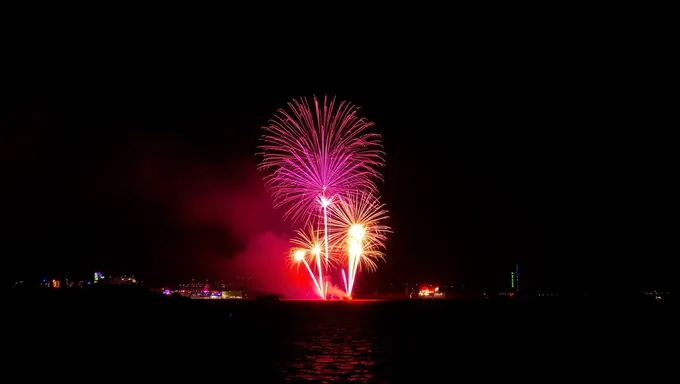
[(334, 353)]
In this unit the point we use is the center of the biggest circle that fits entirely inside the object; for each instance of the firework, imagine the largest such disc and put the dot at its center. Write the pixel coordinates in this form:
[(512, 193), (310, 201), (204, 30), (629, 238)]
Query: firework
[(298, 256), (358, 232), (308, 246), (317, 153), (316, 158)]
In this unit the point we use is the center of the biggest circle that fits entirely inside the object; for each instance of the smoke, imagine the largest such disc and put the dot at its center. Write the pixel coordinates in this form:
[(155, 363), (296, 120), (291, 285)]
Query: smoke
[(217, 222), (264, 262), (239, 205), (336, 291)]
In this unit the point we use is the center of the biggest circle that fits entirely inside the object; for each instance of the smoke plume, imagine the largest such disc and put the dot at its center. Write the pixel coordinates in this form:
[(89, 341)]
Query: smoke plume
[(217, 222)]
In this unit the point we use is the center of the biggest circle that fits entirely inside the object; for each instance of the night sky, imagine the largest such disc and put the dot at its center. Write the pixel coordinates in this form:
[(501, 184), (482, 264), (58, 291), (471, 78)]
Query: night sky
[(146, 165)]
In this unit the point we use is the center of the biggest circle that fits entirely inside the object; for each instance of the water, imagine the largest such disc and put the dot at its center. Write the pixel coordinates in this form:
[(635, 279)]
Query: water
[(325, 342), (369, 342), (334, 352)]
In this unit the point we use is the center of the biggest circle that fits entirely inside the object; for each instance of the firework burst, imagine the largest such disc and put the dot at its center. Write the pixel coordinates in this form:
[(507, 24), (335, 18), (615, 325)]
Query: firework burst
[(358, 232), (299, 256), (307, 245), (319, 151)]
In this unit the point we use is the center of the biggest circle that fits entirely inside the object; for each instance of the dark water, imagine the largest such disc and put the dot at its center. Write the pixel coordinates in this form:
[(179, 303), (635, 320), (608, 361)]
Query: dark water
[(335, 341), (331, 352), (370, 342)]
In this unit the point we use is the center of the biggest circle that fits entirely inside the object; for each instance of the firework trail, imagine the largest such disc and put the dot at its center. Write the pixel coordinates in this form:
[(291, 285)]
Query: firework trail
[(357, 232), (298, 256), (307, 249), (316, 156)]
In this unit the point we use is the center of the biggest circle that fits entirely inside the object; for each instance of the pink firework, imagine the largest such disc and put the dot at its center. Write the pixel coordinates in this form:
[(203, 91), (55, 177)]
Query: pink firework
[(317, 153)]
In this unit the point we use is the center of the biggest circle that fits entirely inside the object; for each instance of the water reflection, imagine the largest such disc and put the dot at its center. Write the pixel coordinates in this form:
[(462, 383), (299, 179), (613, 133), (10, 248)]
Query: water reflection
[(335, 353)]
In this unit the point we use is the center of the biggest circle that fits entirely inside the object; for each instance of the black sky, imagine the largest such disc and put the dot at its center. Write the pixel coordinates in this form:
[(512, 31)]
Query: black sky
[(552, 155)]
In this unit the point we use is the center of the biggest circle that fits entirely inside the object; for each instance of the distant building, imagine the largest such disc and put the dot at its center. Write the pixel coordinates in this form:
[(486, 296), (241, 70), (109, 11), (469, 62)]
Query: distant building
[(514, 279), (123, 280), (98, 277), (115, 280), (426, 292), (232, 294)]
